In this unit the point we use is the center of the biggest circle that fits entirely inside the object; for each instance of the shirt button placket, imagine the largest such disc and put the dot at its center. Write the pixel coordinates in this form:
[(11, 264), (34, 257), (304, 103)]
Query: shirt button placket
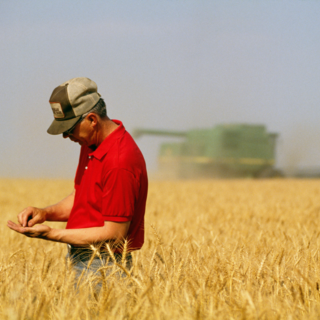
[(86, 167)]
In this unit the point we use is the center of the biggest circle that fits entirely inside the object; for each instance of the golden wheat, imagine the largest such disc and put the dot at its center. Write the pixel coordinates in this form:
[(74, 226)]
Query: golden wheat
[(241, 249)]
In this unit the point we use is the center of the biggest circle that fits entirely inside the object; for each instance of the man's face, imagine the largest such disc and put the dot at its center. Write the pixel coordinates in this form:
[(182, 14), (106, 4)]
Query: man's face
[(81, 133)]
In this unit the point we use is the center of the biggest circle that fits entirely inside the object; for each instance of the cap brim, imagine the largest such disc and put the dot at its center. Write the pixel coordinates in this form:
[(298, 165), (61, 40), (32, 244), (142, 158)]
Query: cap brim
[(58, 127)]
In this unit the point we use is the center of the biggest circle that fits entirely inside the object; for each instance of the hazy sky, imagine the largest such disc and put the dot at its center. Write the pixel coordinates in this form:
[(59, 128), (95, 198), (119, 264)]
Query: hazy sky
[(162, 64)]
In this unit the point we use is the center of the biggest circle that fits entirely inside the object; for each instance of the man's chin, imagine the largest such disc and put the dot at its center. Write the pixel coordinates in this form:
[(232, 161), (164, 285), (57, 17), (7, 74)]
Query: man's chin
[(76, 141)]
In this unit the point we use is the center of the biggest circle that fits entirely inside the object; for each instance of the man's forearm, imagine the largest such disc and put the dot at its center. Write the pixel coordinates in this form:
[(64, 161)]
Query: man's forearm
[(83, 237), (61, 210)]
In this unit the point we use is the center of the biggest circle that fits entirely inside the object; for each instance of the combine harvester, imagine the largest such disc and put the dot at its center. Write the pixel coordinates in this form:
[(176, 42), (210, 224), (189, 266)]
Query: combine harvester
[(224, 151)]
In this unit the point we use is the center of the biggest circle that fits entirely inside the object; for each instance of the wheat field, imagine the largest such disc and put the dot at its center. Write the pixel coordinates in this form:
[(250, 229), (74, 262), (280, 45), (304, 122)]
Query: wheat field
[(236, 249)]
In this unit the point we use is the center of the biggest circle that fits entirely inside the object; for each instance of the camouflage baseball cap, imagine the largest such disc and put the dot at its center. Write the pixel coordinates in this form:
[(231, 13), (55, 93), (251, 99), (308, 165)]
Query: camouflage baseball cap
[(70, 101)]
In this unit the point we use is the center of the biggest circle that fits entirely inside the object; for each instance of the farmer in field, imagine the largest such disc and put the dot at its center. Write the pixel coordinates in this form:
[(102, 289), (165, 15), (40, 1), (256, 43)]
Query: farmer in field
[(107, 205)]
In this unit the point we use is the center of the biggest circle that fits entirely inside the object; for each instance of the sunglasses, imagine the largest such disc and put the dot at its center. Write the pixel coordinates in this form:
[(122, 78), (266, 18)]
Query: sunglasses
[(69, 131)]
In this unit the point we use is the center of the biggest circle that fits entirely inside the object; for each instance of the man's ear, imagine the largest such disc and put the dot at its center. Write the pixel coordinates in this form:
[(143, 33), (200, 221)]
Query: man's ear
[(93, 118)]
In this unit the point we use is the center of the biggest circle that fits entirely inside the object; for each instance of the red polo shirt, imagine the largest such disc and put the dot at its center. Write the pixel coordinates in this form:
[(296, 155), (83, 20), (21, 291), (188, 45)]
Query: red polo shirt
[(111, 184)]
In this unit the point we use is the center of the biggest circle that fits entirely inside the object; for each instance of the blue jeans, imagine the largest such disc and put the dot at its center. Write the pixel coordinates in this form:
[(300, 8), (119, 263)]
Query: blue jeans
[(85, 264)]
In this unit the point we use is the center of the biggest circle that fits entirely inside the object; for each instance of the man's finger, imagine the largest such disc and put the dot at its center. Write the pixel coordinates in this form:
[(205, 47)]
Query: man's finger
[(25, 231), (23, 217), (12, 225), (20, 217), (15, 227), (32, 221)]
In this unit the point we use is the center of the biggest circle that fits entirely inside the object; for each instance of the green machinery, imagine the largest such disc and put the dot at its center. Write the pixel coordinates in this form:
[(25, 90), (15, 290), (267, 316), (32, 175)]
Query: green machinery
[(236, 150)]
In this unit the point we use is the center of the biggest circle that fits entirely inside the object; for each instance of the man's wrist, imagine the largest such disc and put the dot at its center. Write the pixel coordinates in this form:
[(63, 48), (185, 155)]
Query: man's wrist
[(53, 235), (47, 213)]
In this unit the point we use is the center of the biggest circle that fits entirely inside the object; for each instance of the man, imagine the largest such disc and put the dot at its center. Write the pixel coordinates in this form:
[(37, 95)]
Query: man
[(107, 205)]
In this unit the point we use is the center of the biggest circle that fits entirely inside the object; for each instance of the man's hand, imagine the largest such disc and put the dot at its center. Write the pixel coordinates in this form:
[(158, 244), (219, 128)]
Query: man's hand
[(31, 216), (38, 231)]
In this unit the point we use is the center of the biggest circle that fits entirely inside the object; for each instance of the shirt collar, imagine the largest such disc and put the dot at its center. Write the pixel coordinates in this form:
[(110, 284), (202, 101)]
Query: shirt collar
[(107, 143)]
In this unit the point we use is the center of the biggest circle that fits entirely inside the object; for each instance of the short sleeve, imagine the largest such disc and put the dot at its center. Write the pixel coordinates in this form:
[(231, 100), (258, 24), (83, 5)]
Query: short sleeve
[(119, 195)]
